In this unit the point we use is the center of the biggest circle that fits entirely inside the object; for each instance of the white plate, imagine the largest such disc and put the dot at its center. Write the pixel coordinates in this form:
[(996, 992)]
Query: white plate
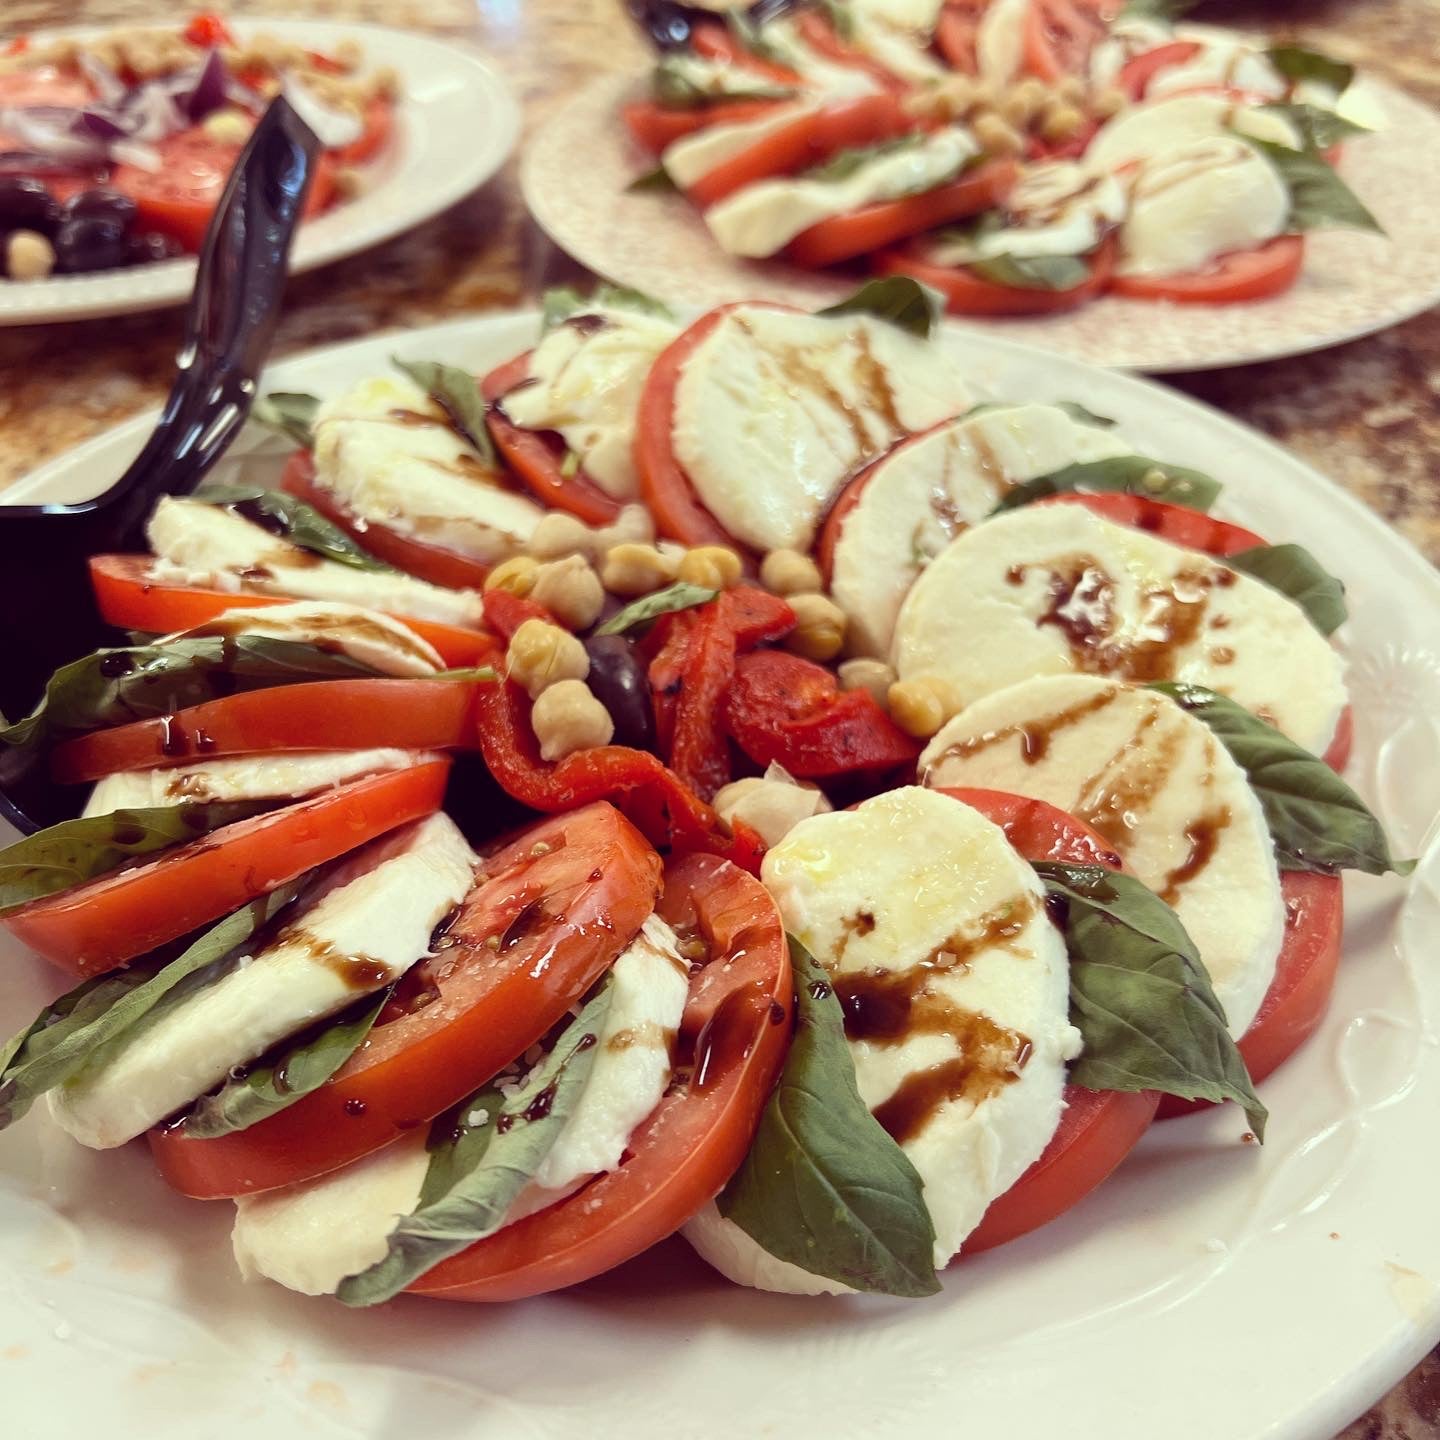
[(575, 168), (455, 124), (1210, 1291)]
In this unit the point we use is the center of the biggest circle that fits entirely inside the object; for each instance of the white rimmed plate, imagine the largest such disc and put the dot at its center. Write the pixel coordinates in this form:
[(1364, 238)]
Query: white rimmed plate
[(1210, 1289), (575, 168), (455, 124)]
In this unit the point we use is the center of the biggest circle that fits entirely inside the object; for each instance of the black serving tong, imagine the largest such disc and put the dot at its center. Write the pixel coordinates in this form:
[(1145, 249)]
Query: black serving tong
[(47, 612), (670, 25)]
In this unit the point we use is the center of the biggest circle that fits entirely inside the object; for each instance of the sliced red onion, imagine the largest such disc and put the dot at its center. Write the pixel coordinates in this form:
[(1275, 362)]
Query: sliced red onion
[(244, 98), (50, 130), (151, 114), (133, 152), (101, 124), (110, 89), (32, 162), (208, 91), (332, 127)]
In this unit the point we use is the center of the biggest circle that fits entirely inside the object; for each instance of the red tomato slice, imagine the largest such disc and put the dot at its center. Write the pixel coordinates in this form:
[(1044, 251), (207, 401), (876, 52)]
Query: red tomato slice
[(1245, 275), (379, 120), (128, 599), (322, 715), (1060, 34), (873, 227), (1337, 755), (426, 562), (1178, 524), (538, 456), (96, 926), (821, 36), (654, 126), (715, 42), (206, 30), (1137, 72), (955, 34), (43, 85), (731, 1044), (967, 293), (564, 899)]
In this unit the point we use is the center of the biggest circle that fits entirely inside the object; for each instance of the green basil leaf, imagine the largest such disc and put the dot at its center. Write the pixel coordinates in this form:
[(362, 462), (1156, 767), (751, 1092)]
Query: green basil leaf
[(1032, 272), (1316, 820), (678, 596), (841, 18), (75, 851), (1079, 413), (844, 163), (1318, 196), (898, 300), (1296, 64), (457, 393), (671, 87), (1294, 571), (468, 674), (559, 304), (1318, 128), (289, 413), (1140, 996), (1156, 9), (474, 1178), (303, 1064), (295, 521), (657, 180), (750, 35), (824, 1187), (1120, 474), (98, 1018)]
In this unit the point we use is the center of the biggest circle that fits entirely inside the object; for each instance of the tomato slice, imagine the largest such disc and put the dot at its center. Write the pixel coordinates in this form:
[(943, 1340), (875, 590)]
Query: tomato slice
[(822, 37), (1138, 71), (130, 600), (96, 926), (967, 293), (378, 121), (207, 29), (1246, 275), (426, 562), (538, 456), (843, 237), (1337, 755), (1060, 34), (714, 42), (731, 1044), (956, 32), (1178, 524), (655, 126), (322, 715), (549, 914), (43, 85)]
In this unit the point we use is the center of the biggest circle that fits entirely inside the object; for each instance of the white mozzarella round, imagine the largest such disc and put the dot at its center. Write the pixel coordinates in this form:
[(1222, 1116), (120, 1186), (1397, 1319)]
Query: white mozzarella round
[(897, 34), (831, 78), (1227, 63), (1050, 589), (694, 156), (1156, 127), (1161, 789), (724, 1246), (1000, 40), (1125, 40), (775, 410), (772, 805), (926, 491)]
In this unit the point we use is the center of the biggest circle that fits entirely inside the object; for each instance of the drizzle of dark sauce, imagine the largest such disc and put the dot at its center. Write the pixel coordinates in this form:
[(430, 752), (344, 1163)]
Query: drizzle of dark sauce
[(1202, 836)]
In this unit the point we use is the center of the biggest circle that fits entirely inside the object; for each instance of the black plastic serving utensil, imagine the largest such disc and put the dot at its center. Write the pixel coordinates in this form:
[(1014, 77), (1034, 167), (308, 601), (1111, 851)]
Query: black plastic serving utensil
[(47, 611), (670, 25)]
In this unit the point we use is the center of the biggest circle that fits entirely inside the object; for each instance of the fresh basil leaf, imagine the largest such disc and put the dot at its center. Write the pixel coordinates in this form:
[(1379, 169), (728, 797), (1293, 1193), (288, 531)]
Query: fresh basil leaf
[(303, 1064), (98, 1018), (457, 393), (1318, 128), (679, 596), (560, 304), (1120, 474), (657, 180), (1032, 272), (476, 1171), (750, 35), (824, 1187), (1316, 820), (295, 521), (1296, 64), (1294, 571), (841, 18), (1318, 196), (898, 300), (1079, 413), (468, 674), (75, 851), (1139, 994), (1156, 9), (844, 163), (671, 87), (288, 412)]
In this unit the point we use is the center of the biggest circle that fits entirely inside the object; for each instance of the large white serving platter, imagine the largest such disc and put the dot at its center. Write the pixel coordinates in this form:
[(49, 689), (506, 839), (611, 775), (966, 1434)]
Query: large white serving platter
[(1212, 1290), (455, 124)]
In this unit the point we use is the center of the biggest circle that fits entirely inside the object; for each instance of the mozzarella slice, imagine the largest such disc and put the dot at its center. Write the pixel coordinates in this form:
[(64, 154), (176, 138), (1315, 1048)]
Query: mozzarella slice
[(1125, 40), (719, 79), (281, 775), (310, 1237), (772, 805), (1158, 785), (1051, 589), (372, 922), (585, 381), (1145, 132), (913, 894), (692, 157), (925, 492), (1227, 63), (1000, 40), (763, 218), (199, 544), (385, 645), (392, 457), (775, 410), (897, 33)]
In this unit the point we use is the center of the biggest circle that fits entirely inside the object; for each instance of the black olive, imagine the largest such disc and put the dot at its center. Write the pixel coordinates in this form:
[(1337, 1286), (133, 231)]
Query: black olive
[(100, 204), (25, 204), (89, 244), (618, 679), (150, 245)]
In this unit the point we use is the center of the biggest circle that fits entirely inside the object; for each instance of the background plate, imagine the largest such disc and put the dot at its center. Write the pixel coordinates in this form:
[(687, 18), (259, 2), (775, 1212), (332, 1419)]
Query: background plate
[(455, 126), (575, 169), (1211, 1291)]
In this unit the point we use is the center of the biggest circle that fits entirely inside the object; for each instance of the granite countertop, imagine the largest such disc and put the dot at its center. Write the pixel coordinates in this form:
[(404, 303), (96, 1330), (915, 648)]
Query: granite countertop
[(1366, 413)]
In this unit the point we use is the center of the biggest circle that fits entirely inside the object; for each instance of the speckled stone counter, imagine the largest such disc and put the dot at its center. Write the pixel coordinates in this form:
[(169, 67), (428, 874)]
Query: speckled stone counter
[(1367, 413)]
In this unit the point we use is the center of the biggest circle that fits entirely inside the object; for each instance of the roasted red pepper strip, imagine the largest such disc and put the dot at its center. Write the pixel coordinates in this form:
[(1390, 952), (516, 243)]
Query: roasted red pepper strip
[(506, 613), (786, 710), (747, 849)]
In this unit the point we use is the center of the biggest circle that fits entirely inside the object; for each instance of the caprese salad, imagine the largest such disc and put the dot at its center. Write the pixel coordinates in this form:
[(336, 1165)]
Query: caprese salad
[(115, 149), (1021, 156), (710, 775)]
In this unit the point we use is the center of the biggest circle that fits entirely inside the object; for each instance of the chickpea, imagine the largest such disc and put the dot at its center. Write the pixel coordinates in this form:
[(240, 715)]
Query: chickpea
[(865, 674), (541, 654), (916, 707), (1062, 122), (819, 632), (349, 181), (517, 575), (996, 136), (1071, 88), (788, 572), (716, 567), (1024, 102), (385, 82), (567, 717), (1108, 102), (570, 590), (28, 256), (228, 127), (632, 524), (348, 53), (635, 570), (559, 534)]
